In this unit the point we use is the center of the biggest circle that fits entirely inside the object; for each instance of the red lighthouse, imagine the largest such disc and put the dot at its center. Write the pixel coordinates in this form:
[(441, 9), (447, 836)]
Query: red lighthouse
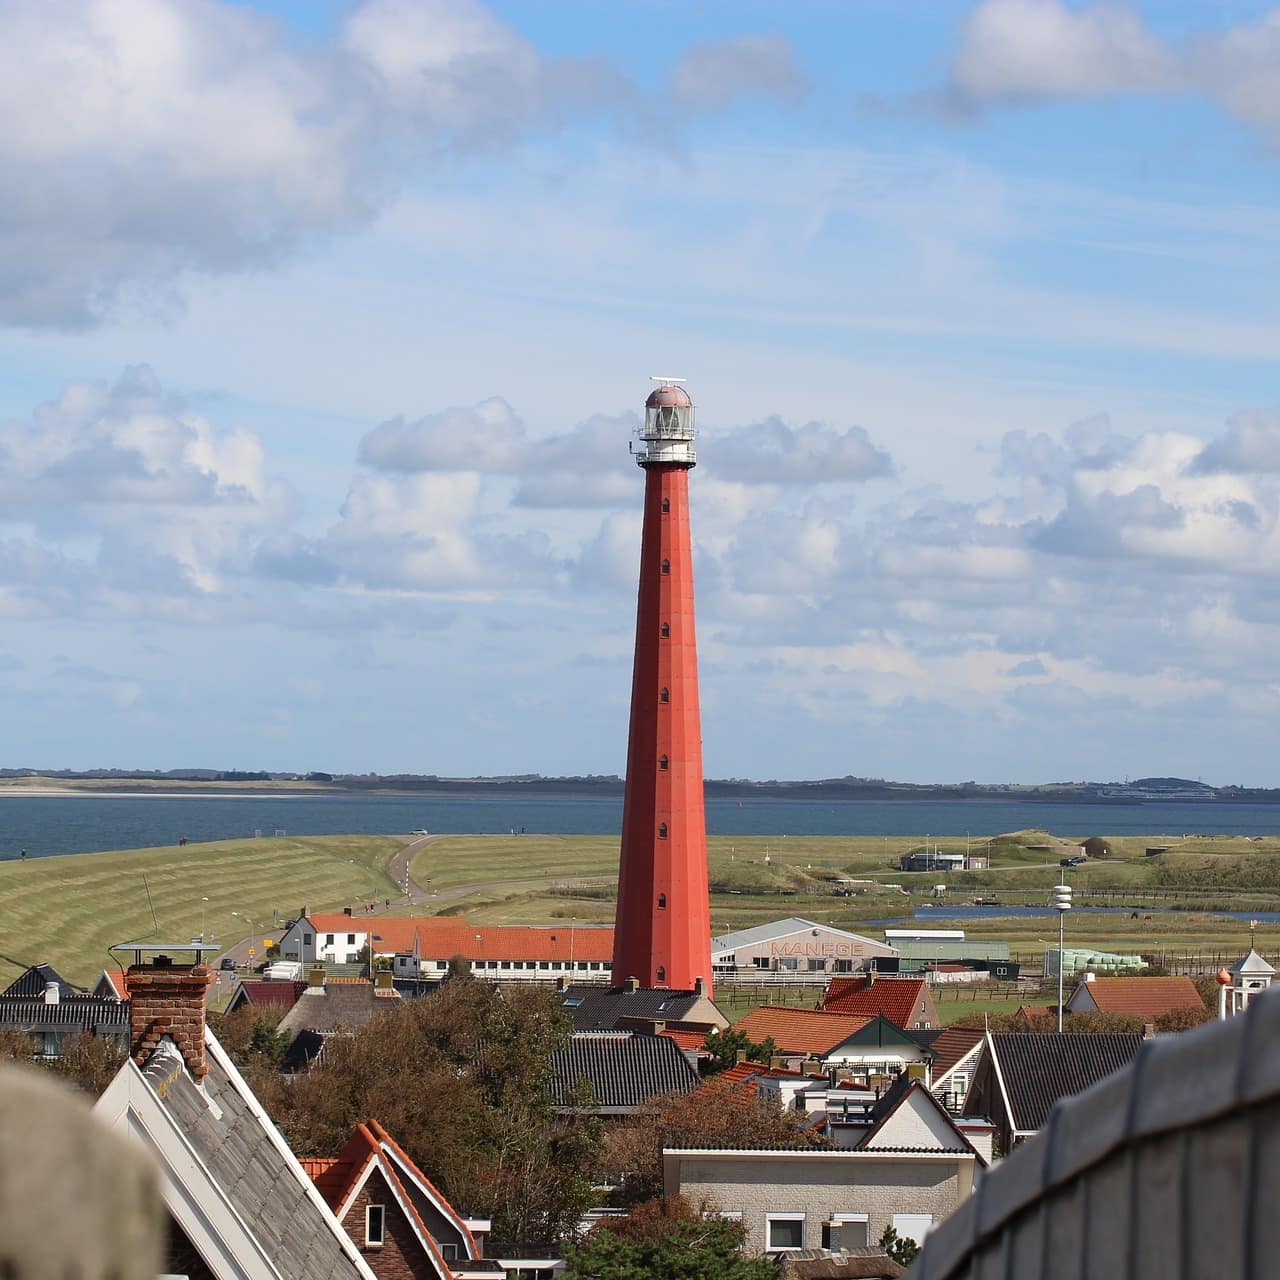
[(662, 934)]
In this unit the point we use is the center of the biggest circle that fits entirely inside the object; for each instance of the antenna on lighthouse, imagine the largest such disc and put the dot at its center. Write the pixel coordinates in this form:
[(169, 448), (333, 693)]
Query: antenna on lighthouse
[(666, 382)]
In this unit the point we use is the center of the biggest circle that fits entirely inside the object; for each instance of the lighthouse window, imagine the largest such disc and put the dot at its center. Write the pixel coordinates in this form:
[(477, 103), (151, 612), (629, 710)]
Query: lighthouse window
[(666, 504), (666, 566), (662, 831), (662, 902), (662, 974), (665, 695), (666, 630), (662, 762)]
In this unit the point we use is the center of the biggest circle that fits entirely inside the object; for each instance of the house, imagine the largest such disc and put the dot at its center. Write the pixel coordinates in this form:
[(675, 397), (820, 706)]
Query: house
[(793, 946), (633, 1007), (1019, 1075), (906, 1002), (955, 1053), (622, 1070), (266, 994), (905, 1117), (330, 1005), (40, 1003), (400, 1223), (240, 1205), (110, 985), (1145, 998), (869, 1045), (422, 947), (790, 1200)]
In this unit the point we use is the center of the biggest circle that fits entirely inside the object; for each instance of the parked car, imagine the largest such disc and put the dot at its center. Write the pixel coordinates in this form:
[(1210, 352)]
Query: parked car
[(226, 963)]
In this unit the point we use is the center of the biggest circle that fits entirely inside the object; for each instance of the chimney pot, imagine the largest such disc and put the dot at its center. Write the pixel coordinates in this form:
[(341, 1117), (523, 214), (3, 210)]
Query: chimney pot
[(631, 984), (52, 993), (166, 999)]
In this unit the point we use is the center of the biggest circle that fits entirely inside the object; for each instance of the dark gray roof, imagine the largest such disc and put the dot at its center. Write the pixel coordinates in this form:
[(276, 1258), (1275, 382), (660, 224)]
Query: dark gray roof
[(234, 1143), (337, 1004), (34, 981), (597, 1008), (78, 1013), (303, 1050), (1038, 1068), (624, 1069)]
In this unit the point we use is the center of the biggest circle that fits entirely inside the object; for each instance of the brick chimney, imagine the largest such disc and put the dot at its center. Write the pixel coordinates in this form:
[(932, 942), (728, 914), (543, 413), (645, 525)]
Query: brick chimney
[(167, 999)]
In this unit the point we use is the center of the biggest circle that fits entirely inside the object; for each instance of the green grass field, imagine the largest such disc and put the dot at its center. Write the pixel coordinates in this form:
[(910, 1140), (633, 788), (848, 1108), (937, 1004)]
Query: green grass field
[(68, 910)]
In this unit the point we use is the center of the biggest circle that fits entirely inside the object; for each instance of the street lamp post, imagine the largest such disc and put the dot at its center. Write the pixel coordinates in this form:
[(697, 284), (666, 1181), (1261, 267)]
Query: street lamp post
[(204, 906), (1061, 903), (253, 929)]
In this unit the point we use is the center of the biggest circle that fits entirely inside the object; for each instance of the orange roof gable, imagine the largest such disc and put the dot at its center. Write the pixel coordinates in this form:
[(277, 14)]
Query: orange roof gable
[(801, 1030), (1144, 997), (688, 1039), (442, 937), (895, 998)]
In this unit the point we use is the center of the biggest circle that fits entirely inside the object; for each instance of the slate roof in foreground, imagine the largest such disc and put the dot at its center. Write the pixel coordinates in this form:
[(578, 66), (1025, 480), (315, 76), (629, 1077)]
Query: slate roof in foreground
[(1038, 1068), (624, 1069)]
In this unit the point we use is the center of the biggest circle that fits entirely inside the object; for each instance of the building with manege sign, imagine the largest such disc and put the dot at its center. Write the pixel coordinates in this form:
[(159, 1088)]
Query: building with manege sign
[(794, 946)]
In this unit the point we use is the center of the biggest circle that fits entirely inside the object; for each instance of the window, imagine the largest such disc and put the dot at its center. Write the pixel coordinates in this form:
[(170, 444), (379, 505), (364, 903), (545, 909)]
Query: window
[(665, 696), (375, 1224), (783, 1231), (666, 566), (666, 631), (307, 939), (544, 964), (662, 831), (449, 1252), (662, 762), (662, 902), (351, 939), (845, 1231), (666, 504), (662, 974), (328, 939), (913, 1226)]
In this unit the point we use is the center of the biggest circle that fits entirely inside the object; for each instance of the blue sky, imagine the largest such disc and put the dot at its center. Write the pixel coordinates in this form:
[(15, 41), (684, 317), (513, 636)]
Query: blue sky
[(325, 325)]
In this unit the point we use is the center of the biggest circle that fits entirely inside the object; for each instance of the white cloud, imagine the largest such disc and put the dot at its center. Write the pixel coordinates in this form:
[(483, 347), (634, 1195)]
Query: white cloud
[(1032, 49), (714, 74), (771, 452), (1041, 50)]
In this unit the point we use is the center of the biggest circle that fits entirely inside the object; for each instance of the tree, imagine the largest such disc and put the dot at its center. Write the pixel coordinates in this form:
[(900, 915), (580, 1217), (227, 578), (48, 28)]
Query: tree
[(725, 1046), (89, 1062), (714, 1115), (462, 1079), (666, 1240), (902, 1249), (250, 1037)]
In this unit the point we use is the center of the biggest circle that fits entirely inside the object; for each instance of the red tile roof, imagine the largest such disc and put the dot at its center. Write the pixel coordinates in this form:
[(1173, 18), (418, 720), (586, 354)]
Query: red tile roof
[(696, 1040), (895, 998), (1144, 997), (116, 979), (814, 1031), (338, 1177), (442, 937)]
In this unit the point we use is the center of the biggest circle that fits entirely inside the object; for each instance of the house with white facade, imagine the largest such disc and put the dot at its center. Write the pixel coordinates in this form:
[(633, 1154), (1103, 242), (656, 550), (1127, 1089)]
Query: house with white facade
[(794, 946)]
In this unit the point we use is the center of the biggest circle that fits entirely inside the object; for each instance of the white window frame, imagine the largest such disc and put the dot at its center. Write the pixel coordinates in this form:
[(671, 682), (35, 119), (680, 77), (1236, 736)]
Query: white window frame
[(900, 1218), (369, 1238), (448, 1251), (771, 1218)]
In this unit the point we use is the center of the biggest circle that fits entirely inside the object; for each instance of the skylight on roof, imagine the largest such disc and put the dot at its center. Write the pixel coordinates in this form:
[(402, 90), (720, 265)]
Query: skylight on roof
[(572, 1002)]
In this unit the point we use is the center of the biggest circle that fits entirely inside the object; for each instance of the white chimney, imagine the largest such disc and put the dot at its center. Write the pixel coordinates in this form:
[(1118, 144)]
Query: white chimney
[(52, 994), (1090, 976)]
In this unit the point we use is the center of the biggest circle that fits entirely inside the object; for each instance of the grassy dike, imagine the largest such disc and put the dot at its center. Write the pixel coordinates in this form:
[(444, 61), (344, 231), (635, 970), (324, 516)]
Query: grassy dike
[(67, 910)]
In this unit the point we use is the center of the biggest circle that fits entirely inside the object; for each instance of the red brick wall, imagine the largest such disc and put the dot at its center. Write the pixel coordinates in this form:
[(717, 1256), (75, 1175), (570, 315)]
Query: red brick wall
[(168, 1000), (401, 1257)]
